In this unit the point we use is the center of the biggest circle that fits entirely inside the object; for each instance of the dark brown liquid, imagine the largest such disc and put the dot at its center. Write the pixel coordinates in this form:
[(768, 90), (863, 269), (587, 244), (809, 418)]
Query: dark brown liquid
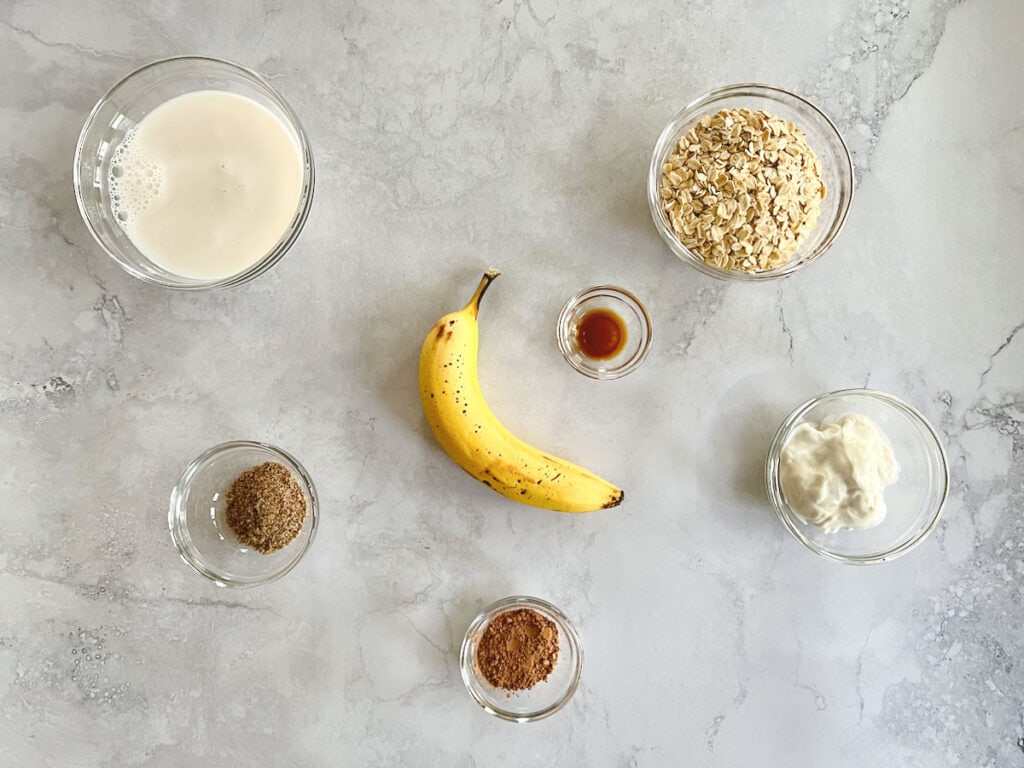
[(601, 334)]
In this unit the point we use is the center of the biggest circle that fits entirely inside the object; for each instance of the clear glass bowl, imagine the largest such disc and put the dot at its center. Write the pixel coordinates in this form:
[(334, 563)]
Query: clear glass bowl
[(914, 501), (122, 108), (197, 517), (635, 319), (543, 699), (822, 136)]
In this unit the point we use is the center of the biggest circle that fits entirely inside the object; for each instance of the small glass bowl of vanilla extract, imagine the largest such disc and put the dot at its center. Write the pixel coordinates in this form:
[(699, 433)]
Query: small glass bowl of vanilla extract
[(604, 332)]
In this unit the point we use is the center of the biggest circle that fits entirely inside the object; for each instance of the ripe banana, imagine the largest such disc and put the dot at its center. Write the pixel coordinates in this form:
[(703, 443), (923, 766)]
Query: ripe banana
[(471, 434)]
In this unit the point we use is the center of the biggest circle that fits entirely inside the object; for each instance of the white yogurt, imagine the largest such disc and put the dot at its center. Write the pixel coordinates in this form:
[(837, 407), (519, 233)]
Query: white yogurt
[(206, 184), (835, 475)]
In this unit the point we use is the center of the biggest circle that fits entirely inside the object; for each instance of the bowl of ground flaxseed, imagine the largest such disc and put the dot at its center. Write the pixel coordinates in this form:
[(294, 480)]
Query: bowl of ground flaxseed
[(750, 182), (243, 513), (521, 659)]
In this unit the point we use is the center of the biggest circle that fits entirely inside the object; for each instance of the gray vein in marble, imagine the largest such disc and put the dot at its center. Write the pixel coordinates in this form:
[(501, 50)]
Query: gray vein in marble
[(533, 14), (127, 594), (73, 47), (859, 670), (695, 316), (867, 48), (785, 328), (992, 358)]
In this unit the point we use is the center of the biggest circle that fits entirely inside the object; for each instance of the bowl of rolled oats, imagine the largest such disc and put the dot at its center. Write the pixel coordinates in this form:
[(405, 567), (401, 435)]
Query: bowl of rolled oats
[(750, 182)]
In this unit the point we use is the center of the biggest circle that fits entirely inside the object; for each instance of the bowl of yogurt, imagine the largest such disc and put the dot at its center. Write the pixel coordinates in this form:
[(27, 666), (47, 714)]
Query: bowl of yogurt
[(194, 173), (857, 476)]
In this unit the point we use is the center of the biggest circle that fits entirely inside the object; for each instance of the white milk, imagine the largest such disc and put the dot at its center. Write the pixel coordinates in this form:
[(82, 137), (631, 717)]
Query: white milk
[(206, 184)]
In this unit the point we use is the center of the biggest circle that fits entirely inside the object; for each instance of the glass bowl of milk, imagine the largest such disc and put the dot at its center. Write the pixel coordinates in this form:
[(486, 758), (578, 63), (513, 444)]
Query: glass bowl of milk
[(193, 173), (839, 438)]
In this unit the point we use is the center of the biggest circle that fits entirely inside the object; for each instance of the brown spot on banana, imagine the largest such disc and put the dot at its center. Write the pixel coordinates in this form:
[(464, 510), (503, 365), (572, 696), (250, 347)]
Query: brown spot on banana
[(615, 500)]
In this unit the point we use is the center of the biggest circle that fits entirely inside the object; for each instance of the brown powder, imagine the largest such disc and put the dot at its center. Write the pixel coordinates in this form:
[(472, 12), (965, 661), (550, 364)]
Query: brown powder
[(518, 649), (266, 507)]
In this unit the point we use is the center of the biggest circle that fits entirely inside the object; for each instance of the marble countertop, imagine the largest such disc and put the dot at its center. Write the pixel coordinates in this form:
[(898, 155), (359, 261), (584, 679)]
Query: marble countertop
[(515, 134)]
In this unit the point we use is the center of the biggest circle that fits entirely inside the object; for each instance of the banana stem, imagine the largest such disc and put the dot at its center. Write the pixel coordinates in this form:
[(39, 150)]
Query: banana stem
[(474, 303)]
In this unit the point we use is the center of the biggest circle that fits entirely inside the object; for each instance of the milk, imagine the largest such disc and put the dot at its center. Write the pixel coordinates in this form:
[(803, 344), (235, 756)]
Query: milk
[(206, 184)]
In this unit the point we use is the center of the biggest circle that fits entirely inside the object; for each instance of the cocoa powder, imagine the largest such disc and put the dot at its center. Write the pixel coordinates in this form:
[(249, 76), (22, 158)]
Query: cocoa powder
[(518, 649)]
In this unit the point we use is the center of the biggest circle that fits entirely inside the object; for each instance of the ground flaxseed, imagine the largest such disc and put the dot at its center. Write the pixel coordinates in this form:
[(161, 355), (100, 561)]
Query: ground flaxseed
[(266, 507), (518, 649)]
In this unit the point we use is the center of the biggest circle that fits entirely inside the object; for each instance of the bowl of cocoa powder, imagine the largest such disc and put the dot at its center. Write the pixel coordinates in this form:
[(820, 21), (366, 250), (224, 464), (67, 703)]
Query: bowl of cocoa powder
[(521, 659), (243, 513)]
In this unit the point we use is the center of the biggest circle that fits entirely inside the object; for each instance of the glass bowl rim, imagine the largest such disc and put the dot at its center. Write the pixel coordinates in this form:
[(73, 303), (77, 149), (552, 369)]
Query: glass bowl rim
[(665, 141), (627, 297), (176, 514), (284, 243), (488, 614), (771, 476)]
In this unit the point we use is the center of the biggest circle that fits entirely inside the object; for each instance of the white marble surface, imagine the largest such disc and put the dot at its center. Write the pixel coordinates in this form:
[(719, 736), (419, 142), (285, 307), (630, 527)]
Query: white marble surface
[(515, 134)]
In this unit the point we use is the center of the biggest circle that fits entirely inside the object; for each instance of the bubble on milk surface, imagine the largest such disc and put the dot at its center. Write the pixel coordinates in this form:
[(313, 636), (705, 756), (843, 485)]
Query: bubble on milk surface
[(134, 180)]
